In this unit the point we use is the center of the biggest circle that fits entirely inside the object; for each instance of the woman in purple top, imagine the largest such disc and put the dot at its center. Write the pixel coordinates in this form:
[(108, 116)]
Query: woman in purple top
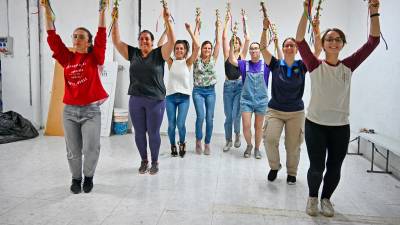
[(254, 97), (327, 129)]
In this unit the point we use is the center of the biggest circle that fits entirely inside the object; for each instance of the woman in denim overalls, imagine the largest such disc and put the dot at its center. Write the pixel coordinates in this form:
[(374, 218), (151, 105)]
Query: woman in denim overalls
[(254, 98)]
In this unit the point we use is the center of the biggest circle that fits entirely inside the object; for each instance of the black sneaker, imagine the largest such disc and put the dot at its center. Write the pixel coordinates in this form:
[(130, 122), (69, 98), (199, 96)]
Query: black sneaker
[(182, 149), (87, 184), (143, 167), (154, 168), (174, 152), (76, 186), (273, 174), (291, 180)]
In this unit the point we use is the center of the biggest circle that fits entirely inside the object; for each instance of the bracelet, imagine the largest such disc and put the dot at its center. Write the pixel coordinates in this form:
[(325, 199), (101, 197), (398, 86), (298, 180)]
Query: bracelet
[(375, 14)]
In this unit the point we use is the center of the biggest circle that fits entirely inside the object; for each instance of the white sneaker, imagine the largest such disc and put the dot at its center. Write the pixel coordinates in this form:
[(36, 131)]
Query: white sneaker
[(227, 146), (247, 153), (237, 141), (327, 208), (312, 206)]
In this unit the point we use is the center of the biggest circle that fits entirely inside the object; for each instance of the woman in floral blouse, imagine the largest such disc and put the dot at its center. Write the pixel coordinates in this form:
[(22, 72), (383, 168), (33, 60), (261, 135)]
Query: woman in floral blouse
[(204, 80)]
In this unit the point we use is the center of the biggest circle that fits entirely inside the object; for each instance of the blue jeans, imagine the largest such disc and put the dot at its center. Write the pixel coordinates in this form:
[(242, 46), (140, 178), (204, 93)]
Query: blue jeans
[(204, 96), (232, 91), (181, 102)]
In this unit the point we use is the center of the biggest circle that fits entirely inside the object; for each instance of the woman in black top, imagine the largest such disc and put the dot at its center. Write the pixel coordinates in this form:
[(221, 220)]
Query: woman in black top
[(146, 88), (232, 87)]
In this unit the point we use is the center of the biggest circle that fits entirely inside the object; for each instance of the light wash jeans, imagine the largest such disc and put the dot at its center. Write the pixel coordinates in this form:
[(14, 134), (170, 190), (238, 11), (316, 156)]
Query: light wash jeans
[(232, 92), (204, 97), (82, 125), (173, 102)]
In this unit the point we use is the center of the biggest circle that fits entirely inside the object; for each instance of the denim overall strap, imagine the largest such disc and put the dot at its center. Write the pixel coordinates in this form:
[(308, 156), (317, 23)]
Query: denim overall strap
[(254, 92)]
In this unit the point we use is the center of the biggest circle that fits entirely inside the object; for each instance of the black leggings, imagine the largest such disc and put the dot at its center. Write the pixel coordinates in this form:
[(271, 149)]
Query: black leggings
[(319, 139)]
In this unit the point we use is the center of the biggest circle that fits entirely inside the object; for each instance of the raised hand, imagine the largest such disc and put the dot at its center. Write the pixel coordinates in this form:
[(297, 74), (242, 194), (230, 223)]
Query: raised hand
[(266, 23), (114, 13), (166, 14), (217, 24), (373, 6), (102, 5), (188, 27), (227, 17), (305, 5), (315, 21), (43, 3)]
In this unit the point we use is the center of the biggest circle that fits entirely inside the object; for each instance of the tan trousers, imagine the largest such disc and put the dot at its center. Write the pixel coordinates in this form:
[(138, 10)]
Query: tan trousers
[(294, 126)]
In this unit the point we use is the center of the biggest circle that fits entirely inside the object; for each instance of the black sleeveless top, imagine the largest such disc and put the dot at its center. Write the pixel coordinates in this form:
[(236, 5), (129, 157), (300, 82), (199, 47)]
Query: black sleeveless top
[(231, 72)]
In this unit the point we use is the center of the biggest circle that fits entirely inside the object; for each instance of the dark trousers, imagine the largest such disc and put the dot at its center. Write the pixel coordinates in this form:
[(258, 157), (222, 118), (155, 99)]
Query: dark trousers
[(320, 140), (147, 116)]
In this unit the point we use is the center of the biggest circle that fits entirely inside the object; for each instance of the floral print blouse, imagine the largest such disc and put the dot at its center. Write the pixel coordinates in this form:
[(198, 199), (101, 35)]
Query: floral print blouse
[(204, 74)]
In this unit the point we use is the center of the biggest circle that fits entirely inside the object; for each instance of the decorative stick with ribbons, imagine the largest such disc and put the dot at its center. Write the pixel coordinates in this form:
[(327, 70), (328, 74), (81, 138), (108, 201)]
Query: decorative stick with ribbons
[(308, 14), (217, 15), (103, 4), (165, 6), (244, 21), (198, 15), (371, 4), (318, 10), (228, 13), (217, 23), (114, 16), (272, 30), (275, 37), (235, 30), (52, 14)]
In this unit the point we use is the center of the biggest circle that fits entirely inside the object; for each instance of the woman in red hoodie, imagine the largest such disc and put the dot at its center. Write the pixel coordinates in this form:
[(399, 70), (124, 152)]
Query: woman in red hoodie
[(82, 96)]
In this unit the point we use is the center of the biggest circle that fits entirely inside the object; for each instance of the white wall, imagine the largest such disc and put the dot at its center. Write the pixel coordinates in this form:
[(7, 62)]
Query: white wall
[(375, 85), (20, 72), (378, 110)]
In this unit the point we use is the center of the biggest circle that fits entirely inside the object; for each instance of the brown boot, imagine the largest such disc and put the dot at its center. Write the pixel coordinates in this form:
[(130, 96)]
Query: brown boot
[(206, 149), (198, 147)]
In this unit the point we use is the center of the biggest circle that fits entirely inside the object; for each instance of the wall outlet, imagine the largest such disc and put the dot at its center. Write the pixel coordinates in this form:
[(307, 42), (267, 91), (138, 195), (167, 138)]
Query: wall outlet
[(6, 45)]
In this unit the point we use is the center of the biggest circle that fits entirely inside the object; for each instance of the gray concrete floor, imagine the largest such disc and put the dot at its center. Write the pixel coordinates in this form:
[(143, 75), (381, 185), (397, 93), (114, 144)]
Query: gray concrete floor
[(223, 188)]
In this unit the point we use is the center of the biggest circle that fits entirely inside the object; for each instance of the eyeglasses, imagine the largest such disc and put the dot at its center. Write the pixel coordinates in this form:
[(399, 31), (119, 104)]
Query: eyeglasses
[(254, 49), (79, 36), (337, 40), (289, 46)]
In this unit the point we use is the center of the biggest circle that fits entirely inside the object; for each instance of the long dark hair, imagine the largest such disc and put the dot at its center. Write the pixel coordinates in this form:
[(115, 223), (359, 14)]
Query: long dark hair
[(90, 36), (185, 46)]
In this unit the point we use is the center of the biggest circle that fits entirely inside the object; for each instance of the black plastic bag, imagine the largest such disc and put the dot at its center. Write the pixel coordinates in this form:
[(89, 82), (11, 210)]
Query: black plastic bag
[(14, 127)]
